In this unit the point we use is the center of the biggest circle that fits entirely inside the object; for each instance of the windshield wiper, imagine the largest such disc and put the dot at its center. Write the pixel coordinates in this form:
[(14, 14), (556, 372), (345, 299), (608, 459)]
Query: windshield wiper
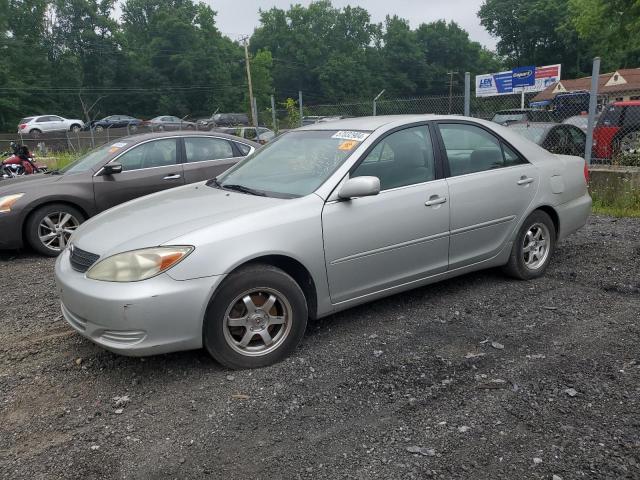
[(243, 189)]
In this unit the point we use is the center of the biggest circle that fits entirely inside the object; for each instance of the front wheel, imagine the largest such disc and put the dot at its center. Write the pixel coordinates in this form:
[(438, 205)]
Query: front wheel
[(257, 318), (49, 228), (75, 128), (533, 247)]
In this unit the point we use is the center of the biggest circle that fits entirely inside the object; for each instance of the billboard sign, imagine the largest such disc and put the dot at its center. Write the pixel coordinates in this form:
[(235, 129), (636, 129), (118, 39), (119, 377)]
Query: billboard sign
[(529, 79)]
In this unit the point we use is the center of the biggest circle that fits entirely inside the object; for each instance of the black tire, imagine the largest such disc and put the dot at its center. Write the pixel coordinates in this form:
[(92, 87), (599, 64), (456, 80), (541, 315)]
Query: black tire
[(217, 336), (32, 226), (517, 266), (35, 133), (75, 128)]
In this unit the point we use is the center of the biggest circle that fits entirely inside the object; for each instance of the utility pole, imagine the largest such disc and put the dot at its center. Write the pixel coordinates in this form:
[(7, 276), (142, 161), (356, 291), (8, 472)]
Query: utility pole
[(451, 74), (251, 103)]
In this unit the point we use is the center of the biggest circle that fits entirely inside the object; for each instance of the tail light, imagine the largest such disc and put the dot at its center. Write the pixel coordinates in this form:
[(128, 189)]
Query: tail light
[(586, 172), (21, 126)]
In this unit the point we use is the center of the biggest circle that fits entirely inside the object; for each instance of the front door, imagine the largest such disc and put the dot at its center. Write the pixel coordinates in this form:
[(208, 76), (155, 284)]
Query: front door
[(398, 236), (490, 188), (147, 168)]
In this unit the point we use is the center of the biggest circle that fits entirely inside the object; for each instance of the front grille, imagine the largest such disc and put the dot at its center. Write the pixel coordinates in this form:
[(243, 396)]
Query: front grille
[(81, 260)]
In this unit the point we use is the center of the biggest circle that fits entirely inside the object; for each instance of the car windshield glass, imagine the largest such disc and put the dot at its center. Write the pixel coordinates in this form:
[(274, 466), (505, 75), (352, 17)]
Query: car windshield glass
[(91, 159), (530, 132), (503, 118), (295, 164)]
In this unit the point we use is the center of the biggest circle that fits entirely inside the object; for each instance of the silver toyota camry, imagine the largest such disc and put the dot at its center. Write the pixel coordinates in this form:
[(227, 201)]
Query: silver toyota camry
[(323, 218)]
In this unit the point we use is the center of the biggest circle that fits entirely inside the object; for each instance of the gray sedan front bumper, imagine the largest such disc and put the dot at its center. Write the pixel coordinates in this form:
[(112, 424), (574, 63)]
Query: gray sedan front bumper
[(158, 315)]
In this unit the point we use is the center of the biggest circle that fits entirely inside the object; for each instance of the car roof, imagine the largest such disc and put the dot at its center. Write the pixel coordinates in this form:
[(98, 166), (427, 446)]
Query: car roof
[(545, 125), (627, 103)]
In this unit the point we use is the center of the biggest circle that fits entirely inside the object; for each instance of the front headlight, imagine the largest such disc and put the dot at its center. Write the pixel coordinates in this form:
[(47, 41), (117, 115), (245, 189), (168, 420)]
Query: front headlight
[(138, 264), (7, 202)]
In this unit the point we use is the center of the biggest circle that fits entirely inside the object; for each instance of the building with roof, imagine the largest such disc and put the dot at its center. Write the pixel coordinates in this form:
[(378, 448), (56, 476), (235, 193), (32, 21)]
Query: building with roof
[(621, 85)]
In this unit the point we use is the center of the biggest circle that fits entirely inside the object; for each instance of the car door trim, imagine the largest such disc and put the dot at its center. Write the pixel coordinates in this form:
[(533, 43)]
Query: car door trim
[(388, 248), (490, 223)]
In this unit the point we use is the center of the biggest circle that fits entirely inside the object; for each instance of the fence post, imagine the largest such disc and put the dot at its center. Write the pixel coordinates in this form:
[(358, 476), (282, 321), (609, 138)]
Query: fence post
[(93, 143), (593, 106), (300, 103), (254, 109), (273, 114), (375, 100), (467, 94)]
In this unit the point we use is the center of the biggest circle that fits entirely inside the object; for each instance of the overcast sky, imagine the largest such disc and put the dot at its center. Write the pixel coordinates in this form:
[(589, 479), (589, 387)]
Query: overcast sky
[(240, 17)]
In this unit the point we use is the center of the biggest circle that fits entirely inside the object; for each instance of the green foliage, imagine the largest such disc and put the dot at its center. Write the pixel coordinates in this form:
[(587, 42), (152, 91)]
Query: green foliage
[(612, 27), (293, 113), (618, 203), (537, 32)]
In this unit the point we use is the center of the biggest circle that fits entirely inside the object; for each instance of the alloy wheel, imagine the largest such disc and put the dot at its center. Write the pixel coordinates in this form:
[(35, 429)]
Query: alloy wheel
[(630, 143), (257, 321), (536, 246), (56, 228)]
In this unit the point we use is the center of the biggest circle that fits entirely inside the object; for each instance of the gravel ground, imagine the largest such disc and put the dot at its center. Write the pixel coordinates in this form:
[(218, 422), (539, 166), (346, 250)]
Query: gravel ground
[(477, 377)]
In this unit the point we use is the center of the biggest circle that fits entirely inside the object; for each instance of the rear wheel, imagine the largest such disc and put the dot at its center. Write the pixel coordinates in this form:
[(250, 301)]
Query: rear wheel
[(99, 128), (533, 247), (75, 128), (35, 133), (257, 318), (630, 143), (49, 228)]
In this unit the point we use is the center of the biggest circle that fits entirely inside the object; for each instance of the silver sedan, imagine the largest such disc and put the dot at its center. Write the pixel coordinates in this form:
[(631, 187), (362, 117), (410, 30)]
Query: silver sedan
[(323, 218)]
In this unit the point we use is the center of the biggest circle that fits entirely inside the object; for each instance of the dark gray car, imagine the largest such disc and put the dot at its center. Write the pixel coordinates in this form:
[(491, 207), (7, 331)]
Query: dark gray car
[(43, 210)]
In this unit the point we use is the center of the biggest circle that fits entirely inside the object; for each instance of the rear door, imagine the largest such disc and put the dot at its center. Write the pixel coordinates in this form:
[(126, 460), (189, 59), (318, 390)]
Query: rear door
[(490, 188), (207, 157), (147, 168)]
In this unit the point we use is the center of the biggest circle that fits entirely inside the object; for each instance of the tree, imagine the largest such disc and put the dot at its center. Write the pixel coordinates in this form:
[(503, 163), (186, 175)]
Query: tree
[(612, 27), (536, 32)]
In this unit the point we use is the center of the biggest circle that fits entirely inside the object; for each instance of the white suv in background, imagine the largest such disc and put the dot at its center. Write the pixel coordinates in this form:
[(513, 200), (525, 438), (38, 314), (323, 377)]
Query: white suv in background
[(47, 123)]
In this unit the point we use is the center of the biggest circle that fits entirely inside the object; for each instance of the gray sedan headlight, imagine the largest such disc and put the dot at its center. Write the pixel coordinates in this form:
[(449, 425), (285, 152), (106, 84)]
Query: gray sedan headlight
[(138, 264), (7, 202)]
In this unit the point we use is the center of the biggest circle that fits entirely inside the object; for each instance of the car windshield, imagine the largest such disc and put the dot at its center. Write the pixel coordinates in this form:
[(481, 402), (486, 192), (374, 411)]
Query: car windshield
[(92, 159), (503, 118), (294, 165), (535, 133)]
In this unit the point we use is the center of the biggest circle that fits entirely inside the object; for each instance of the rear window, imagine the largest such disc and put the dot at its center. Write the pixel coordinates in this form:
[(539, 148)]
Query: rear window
[(535, 133), (610, 117), (26, 120), (503, 118)]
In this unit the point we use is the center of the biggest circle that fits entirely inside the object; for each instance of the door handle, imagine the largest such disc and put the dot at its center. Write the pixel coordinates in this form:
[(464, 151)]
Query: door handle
[(525, 180), (435, 200), (173, 176)]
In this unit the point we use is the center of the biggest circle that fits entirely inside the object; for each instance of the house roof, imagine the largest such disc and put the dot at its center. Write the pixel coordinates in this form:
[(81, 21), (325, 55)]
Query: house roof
[(624, 80)]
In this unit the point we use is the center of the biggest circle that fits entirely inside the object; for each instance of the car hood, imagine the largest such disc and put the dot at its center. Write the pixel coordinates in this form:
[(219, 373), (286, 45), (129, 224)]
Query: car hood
[(27, 183), (161, 217)]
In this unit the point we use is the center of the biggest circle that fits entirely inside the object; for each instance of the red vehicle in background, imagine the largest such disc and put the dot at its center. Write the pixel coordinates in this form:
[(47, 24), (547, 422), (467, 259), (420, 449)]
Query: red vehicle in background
[(20, 162), (618, 130)]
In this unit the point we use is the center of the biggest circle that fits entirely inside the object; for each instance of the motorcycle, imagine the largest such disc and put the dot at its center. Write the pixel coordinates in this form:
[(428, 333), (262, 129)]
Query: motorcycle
[(20, 162)]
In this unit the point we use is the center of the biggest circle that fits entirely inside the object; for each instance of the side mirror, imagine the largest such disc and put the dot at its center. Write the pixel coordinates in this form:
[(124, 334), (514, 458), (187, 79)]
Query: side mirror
[(359, 187), (112, 168)]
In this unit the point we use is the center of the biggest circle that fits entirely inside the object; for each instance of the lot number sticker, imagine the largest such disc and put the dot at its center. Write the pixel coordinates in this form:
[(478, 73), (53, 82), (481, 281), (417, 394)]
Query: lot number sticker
[(350, 135)]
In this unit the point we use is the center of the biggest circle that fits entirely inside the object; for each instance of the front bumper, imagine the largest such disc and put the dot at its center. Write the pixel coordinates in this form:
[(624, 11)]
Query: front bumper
[(10, 231), (154, 316)]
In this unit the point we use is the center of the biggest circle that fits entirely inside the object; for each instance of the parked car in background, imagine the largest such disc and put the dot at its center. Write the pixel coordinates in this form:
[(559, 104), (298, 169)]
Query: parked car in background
[(580, 121), (323, 218), (115, 121), (618, 130), (228, 120), (168, 122), (569, 104), (505, 117), (557, 138), (44, 210), (38, 124), (261, 135)]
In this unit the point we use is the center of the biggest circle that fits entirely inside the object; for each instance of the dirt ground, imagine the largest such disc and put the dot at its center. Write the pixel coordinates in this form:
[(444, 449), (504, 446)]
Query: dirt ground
[(477, 377)]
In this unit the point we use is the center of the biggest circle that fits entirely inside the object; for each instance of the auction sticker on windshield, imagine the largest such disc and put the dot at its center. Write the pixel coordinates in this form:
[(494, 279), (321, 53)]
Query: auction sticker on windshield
[(350, 135), (348, 145)]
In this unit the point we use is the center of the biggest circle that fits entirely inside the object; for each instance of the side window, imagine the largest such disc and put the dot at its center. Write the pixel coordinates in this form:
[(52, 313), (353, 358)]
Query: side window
[(244, 149), (578, 137), (43, 119), (159, 153), (200, 149), (631, 117), (400, 159), (471, 149)]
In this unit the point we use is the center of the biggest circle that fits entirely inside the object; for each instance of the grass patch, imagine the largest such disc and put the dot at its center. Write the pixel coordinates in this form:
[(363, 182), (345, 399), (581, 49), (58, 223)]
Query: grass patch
[(625, 203), (62, 159)]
